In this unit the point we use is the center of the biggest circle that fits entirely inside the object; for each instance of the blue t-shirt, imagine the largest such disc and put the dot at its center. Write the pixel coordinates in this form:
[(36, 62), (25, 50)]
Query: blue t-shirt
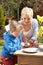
[(11, 44)]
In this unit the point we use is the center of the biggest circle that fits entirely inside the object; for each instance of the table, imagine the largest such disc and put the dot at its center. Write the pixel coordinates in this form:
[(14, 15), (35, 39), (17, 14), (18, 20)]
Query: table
[(29, 58)]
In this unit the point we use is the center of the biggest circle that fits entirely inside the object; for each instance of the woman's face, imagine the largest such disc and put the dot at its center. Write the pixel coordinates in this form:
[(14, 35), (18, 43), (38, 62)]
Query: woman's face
[(26, 19)]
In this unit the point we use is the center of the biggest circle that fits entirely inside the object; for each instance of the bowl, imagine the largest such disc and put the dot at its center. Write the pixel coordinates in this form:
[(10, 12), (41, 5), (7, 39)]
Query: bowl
[(41, 46), (31, 50)]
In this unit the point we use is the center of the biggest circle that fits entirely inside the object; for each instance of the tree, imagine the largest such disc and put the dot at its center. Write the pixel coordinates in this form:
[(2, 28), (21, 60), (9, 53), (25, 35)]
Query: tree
[(13, 7), (37, 6), (2, 17)]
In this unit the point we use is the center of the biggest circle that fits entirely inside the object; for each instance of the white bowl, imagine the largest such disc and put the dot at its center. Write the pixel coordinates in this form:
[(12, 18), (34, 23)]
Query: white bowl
[(41, 46), (30, 50)]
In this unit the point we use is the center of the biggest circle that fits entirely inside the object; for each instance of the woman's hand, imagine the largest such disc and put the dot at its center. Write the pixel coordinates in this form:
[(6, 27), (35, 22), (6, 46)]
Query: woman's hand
[(31, 42)]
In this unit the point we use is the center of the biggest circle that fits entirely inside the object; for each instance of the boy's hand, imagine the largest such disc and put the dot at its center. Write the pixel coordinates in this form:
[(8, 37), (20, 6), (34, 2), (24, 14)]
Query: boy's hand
[(22, 44), (25, 45)]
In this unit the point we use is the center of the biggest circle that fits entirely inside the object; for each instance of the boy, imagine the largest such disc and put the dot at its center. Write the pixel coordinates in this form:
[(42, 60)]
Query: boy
[(13, 41)]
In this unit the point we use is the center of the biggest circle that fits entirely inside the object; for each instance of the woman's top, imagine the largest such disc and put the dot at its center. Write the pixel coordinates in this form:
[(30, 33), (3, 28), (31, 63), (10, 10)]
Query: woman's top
[(32, 33)]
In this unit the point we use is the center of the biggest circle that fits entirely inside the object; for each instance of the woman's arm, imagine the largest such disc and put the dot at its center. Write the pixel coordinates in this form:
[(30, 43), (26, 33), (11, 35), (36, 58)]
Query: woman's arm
[(35, 29)]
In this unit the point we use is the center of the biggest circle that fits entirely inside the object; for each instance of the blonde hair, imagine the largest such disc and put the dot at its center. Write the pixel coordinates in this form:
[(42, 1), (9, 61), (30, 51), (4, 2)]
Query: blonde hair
[(28, 11), (14, 25)]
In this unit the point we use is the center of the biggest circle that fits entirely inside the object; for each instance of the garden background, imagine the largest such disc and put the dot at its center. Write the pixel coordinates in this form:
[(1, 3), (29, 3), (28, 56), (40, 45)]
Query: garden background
[(12, 8)]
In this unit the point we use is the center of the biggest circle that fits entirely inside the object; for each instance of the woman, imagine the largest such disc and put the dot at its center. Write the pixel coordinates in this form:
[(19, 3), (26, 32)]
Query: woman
[(30, 25)]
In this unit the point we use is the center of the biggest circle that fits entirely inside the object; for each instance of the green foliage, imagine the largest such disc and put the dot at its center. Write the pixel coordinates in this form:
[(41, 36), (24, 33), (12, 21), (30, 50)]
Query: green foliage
[(13, 7), (1, 44), (10, 6), (2, 17), (40, 39)]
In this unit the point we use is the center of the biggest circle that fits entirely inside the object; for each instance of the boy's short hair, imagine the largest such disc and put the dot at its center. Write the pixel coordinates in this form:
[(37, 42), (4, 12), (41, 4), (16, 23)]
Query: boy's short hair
[(14, 25), (26, 10)]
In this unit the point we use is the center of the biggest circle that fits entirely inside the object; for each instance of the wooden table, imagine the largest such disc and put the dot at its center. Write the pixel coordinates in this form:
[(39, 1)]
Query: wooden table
[(29, 58)]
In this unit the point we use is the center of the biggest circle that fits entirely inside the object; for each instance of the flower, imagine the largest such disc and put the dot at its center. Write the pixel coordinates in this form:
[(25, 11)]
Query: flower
[(41, 28), (40, 18), (40, 32)]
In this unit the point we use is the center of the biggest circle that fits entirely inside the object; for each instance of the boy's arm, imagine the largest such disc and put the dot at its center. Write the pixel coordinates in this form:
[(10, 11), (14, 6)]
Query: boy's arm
[(9, 45)]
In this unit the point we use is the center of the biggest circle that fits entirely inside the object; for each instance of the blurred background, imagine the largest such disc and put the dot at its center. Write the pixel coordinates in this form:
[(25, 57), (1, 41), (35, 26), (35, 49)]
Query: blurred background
[(12, 9)]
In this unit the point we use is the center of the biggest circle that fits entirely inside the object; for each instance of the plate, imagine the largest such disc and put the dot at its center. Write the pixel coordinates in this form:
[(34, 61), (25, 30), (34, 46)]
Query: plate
[(31, 50)]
